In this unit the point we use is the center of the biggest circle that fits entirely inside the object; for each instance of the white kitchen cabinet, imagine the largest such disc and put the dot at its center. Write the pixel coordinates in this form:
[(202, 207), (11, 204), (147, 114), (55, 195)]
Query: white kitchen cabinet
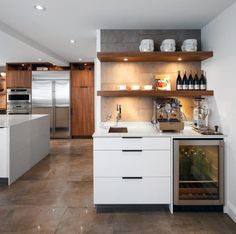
[(132, 143), (132, 170), (3, 153), (24, 142), (131, 163), (132, 191)]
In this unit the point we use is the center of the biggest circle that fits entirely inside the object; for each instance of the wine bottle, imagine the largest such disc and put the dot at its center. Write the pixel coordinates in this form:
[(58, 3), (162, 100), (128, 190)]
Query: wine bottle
[(196, 82), (179, 83), (185, 82), (190, 81), (202, 81)]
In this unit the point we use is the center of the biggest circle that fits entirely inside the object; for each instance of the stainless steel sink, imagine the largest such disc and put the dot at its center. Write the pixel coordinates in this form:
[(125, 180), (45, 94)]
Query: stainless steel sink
[(118, 129)]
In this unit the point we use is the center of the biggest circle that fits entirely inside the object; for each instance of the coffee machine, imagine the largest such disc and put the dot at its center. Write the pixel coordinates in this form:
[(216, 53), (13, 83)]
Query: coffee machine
[(167, 114), (200, 114)]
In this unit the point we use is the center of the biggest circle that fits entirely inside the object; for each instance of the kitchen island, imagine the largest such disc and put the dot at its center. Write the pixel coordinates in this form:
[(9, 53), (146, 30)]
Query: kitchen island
[(24, 142), (137, 167)]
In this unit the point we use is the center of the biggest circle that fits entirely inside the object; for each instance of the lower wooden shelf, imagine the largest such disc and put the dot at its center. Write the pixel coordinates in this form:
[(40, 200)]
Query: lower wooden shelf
[(154, 93)]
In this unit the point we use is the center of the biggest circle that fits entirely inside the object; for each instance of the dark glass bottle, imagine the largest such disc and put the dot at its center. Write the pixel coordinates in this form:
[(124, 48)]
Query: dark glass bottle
[(185, 82), (202, 81), (190, 81), (196, 82), (179, 83)]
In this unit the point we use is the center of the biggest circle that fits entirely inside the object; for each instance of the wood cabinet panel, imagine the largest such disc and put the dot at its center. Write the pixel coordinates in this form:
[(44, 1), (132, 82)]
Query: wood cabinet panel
[(82, 102), (82, 78), (19, 79), (82, 111)]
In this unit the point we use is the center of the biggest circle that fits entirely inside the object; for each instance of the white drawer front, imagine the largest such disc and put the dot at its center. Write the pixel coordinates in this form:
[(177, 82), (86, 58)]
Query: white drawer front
[(132, 143), (132, 191), (129, 163)]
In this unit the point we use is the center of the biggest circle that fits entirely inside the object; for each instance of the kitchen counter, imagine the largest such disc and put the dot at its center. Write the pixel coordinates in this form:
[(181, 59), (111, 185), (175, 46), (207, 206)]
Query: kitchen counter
[(10, 120), (24, 142), (145, 129)]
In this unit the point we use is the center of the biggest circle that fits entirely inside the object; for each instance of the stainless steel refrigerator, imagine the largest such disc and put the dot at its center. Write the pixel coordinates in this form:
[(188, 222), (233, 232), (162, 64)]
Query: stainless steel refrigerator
[(51, 95)]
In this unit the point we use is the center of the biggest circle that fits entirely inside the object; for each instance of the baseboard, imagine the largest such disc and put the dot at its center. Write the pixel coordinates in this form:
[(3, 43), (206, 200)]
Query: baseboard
[(231, 211), (4, 181)]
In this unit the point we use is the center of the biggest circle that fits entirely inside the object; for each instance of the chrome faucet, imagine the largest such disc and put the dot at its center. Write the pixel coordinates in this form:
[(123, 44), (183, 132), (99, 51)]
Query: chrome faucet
[(118, 116)]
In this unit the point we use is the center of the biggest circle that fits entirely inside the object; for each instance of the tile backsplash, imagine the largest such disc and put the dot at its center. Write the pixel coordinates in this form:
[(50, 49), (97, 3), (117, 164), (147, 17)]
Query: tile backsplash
[(139, 108)]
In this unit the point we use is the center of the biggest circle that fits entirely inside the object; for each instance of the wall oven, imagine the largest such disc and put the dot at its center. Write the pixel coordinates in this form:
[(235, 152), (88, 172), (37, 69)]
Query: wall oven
[(19, 95), (198, 171), (19, 101)]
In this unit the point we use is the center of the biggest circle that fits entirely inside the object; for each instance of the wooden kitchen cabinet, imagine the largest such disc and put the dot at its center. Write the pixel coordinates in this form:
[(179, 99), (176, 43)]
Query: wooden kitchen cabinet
[(82, 103), (82, 78), (19, 79)]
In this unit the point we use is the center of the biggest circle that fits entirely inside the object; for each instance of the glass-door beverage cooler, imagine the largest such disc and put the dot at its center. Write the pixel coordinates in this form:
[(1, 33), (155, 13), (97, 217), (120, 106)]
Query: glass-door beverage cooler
[(198, 171)]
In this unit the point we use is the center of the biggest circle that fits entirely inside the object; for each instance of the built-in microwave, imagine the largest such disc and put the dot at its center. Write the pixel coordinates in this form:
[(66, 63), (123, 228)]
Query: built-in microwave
[(198, 172), (19, 101), (17, 95)]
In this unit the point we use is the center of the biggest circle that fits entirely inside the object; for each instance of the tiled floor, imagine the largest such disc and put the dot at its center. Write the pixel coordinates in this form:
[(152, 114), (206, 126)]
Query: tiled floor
[(56, 197)]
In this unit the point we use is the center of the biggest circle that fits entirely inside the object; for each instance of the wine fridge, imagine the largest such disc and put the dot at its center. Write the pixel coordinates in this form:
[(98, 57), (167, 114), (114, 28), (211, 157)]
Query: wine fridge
[(198, 171)]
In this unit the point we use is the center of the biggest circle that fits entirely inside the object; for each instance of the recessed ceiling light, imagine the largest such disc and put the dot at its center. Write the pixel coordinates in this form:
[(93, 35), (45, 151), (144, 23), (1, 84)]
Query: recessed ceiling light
[(80, 59), (125, 59), (39, 59), (40, 7), (72, 41), (179, 59)]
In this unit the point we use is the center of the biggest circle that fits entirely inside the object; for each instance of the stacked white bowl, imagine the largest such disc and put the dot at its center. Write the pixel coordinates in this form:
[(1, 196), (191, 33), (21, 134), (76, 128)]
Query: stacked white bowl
[(168, 45), (146, 45), (189, 45)]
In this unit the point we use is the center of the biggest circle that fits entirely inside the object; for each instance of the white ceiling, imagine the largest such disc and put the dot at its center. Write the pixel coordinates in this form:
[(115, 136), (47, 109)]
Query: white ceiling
[(28, 34)]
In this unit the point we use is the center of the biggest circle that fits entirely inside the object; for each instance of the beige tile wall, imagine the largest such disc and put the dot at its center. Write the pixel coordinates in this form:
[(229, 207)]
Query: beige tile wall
[(139, 108)]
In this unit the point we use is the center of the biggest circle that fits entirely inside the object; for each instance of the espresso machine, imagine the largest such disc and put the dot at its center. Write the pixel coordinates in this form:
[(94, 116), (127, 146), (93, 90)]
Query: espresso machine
[(167, 114), (200, 114)]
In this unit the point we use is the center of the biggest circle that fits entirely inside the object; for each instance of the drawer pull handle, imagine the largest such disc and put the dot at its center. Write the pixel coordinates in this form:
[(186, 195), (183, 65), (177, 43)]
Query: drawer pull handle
[(132, 178), (132, 137), (132, 150)]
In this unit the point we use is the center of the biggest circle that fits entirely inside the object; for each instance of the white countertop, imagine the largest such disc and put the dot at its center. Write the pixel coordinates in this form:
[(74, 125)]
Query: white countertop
[(146, 129), (10, 120)]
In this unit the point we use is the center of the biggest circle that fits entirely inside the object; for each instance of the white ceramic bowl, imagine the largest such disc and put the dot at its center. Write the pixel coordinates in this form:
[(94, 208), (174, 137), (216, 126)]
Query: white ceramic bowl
[(168, 45), (146, 45), (168, 41), (189, 48), (190, 42)]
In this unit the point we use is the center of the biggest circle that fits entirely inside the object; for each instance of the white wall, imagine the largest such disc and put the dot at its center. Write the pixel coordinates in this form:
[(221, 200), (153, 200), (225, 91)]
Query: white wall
[(220, 37), (97, 103)]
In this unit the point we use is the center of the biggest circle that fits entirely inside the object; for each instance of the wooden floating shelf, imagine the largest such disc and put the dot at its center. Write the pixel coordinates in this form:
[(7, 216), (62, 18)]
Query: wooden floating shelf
[(154, 93), (154, 56)]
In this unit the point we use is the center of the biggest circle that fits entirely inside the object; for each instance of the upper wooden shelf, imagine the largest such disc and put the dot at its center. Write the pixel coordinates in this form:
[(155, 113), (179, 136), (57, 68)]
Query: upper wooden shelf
[(153, 56), (154, 93)]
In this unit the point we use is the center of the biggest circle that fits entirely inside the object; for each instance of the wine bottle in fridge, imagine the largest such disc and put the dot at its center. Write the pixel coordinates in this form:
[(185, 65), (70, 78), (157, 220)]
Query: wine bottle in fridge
[(179, 83)]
